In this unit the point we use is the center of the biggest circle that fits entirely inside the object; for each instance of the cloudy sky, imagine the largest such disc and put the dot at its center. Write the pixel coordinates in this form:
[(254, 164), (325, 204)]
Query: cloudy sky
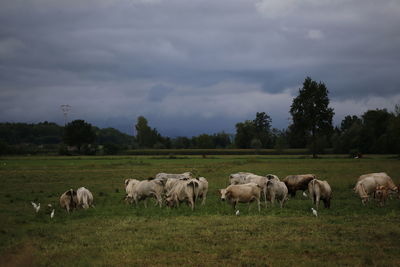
[(193, 66)]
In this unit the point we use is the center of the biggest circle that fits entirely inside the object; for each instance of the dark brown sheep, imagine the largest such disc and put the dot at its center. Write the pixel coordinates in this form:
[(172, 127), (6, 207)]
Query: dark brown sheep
[(298, 182), (69, 200)]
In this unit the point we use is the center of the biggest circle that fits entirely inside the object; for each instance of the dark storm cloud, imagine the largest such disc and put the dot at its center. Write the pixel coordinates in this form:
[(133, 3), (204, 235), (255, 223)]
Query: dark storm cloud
[(175, 62)]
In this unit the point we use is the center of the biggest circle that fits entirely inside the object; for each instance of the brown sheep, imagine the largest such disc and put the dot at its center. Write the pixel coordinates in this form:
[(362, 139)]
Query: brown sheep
[(69, 200), (298, 182), (381, 194)]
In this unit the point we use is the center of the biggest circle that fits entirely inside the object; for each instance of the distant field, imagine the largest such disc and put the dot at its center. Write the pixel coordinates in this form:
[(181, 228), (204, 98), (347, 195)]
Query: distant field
[(118, 234)]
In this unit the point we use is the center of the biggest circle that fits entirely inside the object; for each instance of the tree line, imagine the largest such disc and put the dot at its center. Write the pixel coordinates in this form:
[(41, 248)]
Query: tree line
[(376, 131)]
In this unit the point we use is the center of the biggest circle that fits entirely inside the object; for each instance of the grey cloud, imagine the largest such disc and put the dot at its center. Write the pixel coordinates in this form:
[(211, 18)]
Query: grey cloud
[(114, 60), (158, 92)]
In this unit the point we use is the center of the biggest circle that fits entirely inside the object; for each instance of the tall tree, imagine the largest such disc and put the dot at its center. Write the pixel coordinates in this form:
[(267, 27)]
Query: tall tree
[(348, 122), (347, 138), (203, 141), (311, 113), (394, 131), (222, 140), (262, 124), (245, 133), (78, 133), (375, 128), (146, 136)]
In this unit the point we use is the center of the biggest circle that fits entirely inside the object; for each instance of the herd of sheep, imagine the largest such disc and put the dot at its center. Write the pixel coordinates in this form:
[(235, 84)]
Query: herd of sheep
[(245, 187)]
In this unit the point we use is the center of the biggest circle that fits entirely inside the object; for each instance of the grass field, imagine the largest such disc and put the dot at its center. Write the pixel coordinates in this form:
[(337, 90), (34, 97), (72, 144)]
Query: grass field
[(114, 233)]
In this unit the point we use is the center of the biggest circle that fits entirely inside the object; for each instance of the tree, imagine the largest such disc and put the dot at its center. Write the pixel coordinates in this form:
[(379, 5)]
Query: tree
[(203, 141), (181, 142), (262, 124), (222, 140), (348, 122), (394, 131), (349, 135), (113, 136), (77, 133), (258, 129), (374, 137), (245, 132), (146, 136), (311, 114)]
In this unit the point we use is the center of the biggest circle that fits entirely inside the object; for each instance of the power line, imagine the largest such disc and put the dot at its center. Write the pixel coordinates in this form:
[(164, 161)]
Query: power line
[(65, 109)]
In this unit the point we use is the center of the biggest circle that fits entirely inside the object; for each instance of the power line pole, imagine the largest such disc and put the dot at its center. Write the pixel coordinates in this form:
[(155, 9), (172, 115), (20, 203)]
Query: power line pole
[(65, 109)]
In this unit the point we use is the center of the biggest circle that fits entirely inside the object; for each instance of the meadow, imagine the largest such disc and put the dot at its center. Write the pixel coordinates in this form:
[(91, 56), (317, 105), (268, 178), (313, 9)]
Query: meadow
[(116, 234)]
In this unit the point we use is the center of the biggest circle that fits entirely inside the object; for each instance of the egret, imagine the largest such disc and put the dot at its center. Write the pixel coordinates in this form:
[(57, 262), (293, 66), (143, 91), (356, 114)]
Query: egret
[(36, 206), (314, 212), (304, 194), (237, 213), (52, 214)]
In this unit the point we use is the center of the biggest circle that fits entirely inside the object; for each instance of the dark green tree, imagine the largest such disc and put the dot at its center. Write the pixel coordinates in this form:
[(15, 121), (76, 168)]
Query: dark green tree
[(181, 142), (262, 124), (113, 136), (222, 140), (374, 138), (297, 137), (245, 132), (349, 136), (394, 131), (348, 122), (203, 141), (146, 136), (311, 114), (78, 133)]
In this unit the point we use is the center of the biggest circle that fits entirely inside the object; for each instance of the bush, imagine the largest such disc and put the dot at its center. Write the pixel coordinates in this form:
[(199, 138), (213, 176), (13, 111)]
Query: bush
[(355, 153), (111, 149), (4, 148), (63, 150)]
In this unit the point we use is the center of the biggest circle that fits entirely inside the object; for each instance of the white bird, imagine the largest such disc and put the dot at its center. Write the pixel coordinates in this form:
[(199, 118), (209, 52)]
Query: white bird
[(314, 212), (36, 206), (304, 194), (237, 213), (52, 214)]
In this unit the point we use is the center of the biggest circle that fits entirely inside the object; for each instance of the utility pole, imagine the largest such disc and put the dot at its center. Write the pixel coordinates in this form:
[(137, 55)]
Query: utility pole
[(65, 109)]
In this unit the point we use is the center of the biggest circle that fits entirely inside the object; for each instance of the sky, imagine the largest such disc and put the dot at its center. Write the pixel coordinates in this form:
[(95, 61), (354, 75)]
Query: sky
[(193, 66)]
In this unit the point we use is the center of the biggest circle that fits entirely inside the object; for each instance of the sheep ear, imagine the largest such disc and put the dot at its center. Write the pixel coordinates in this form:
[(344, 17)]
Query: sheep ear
[(160, 182), (68, 193)]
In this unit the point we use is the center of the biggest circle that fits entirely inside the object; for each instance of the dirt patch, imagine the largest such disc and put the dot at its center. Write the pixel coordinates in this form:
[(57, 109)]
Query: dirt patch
[(20, 255)]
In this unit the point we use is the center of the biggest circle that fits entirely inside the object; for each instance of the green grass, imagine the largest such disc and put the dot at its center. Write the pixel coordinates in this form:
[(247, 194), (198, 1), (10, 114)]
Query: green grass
[(114, 233)]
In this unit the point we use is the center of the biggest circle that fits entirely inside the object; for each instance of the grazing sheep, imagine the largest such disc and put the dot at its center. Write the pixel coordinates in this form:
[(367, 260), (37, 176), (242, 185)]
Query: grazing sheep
[(202, 189), (241, 193), (381, 194), (381, 178), (129, 184), (183, 190), (298, 182), (165, 176), (85, 198), (320, 190), (145, 189), (365, 187), (69, 200), (276, 190)]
